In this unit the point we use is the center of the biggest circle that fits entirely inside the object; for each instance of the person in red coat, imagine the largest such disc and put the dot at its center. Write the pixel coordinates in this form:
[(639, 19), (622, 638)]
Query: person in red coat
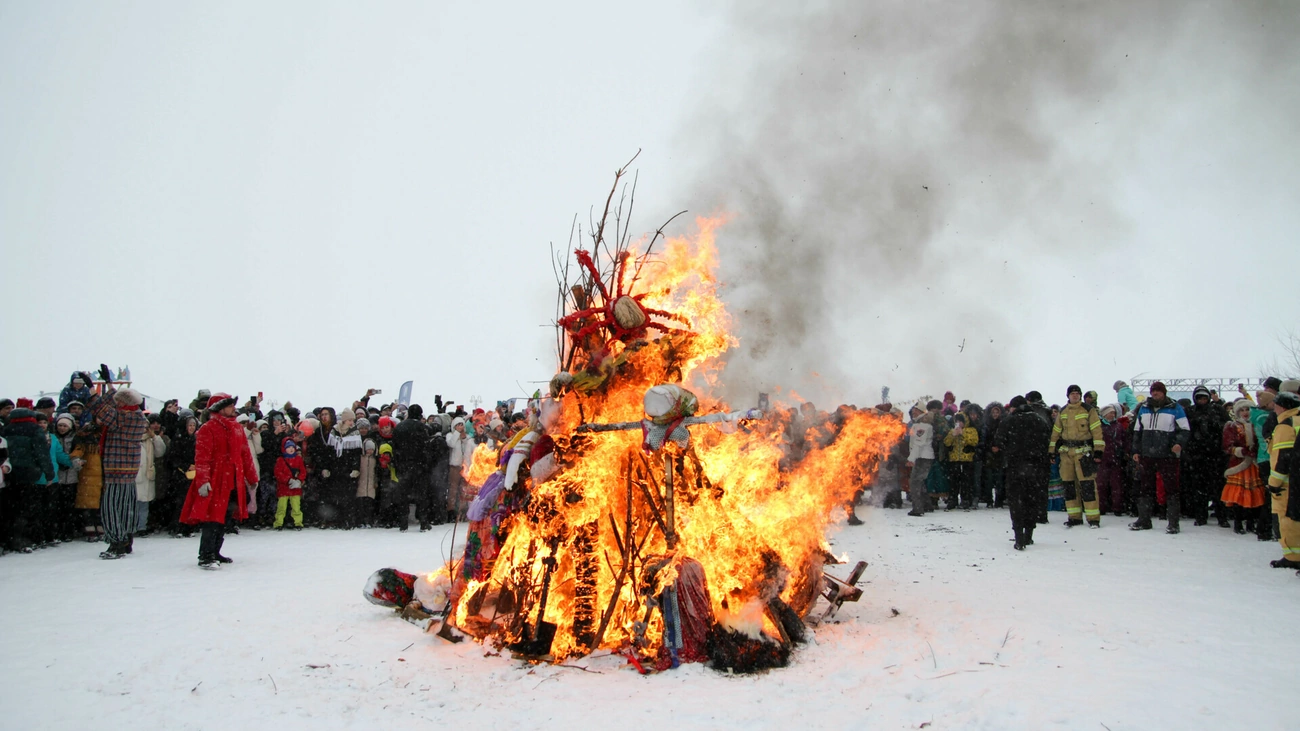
[(223, 466)]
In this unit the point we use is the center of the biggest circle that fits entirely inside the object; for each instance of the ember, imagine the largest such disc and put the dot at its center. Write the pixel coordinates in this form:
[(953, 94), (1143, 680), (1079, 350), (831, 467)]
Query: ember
[(641, 514)]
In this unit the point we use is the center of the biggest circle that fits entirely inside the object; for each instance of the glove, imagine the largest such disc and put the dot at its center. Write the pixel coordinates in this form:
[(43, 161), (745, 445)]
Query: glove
[(295, 484), (204, 489), (1275, 490), (384, 460), (1097, 455), (325, 474), (354, 474), (86, 378), (78, 462), (105, 374)]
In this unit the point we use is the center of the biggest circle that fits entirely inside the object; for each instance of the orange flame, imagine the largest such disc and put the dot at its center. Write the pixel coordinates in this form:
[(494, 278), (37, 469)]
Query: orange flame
[(745, 500)]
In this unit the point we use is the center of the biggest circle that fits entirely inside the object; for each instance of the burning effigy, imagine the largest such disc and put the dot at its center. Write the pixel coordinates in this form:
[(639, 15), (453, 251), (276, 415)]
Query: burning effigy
[(639, 513)]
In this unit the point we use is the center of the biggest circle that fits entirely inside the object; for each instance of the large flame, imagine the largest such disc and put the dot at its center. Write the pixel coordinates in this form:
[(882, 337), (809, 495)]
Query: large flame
[(751, 513)]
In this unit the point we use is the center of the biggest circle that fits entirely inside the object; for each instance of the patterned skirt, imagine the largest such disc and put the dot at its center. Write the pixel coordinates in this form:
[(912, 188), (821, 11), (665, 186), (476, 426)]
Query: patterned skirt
[(1055, 490), (1244, 488)]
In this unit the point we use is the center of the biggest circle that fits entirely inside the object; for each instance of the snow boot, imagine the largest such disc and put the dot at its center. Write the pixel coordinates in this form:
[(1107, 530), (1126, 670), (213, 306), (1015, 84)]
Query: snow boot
[(114, 551), (1144, 515), (222, 559), (1283, 563), (130, 542), (1171, 509), (1238, 516), (209, 563)]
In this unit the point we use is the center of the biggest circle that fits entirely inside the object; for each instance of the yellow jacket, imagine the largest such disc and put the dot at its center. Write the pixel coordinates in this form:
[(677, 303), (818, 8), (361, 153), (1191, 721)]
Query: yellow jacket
[(1078, 423), (1283, 441), (961, 448)]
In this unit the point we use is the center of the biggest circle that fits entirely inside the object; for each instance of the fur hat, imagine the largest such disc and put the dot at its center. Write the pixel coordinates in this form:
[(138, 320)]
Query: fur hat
[(1074, 387), (1273, 383), (933, 405), (1287, 400), (1159, 386), (1291, 385), (1119, 384), (128, 397), (1109, 407), (219, 401), (1240, 403)]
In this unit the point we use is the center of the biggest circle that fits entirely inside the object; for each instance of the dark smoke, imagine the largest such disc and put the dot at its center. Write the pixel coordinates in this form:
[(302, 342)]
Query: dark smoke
[(894, 169)]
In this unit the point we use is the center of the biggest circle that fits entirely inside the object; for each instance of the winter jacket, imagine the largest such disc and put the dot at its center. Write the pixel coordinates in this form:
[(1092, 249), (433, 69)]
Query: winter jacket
[(1281, 448), (90, 478), (1205, 439), (221, 460), (4, 461), (1024, 438), (70, 394), (1159, 425), (1239, 444), (286, 469), (146, 478), (1125, 396), (961, 447), (462, 450), (29, 449), (68, 443), (123, 430), (58, 458), (254, 438), (1258, 417), (1115, 434), (367, 482), (411, 448), (921, 438)]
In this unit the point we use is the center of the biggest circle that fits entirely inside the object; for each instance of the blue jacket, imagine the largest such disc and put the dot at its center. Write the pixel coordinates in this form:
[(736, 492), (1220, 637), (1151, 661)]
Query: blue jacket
[(1125, 396), (70, 394), (59, 458), (1157, 428)]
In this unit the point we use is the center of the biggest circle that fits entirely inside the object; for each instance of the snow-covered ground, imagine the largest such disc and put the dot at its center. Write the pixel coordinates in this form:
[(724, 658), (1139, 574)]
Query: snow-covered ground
[(1104, 629)]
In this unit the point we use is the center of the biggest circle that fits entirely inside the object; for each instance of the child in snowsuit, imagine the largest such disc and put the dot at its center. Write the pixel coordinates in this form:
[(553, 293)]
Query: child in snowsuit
[(289, 474)]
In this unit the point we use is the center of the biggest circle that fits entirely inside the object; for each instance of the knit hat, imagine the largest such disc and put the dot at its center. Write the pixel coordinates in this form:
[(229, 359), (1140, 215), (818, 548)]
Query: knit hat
[(1074, 388), (415, 411), (76, 403), (24, 403), (243, 418), (385, 421), (307, 427), (45, 402), (1265, 399), (1200, 391), (219, 401), (346, 414), (363, 422), (1272, 383), (183, 414), (1033, 397), (285, 444), (1119, 384), (1089, 394), (1159, 386), (368, 445), (1291, 385), (1287, 400), (1017, 402), (65, 417), (128, 396), (6, 402), (1109, 407)]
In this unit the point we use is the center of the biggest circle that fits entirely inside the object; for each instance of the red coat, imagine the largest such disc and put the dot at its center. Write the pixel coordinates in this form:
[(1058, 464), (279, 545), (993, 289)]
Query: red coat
[(221, 459), (289, 469)]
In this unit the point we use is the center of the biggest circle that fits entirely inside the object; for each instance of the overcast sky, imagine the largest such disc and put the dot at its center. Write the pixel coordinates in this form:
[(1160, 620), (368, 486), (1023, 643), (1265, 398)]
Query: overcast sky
[(309, 198)]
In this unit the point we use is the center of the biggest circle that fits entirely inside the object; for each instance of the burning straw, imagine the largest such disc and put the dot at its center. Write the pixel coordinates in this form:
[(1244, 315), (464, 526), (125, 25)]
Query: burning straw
[(648, 518)]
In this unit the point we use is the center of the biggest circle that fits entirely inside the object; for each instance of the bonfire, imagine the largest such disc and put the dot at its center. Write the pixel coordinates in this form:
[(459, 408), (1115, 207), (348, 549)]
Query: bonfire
[(643, 515)]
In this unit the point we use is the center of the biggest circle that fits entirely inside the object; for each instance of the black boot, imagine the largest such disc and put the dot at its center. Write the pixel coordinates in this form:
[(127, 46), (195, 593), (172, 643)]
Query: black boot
[(1171, 508), (1144, 515), (1237, 518)]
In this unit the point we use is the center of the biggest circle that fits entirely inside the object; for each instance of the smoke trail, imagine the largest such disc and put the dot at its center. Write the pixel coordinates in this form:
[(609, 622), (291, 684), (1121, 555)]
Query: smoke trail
[(892, 168)]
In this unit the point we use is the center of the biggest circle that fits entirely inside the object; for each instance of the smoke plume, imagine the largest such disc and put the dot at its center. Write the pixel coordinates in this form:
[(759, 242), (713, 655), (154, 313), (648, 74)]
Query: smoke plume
[(894, 170)]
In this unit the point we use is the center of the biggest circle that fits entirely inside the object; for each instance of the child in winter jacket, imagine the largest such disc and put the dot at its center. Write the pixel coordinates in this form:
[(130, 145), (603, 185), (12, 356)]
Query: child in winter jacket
[(289, 475)]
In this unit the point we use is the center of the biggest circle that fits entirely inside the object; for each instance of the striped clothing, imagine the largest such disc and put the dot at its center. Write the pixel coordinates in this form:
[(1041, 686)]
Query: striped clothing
[(123, 431), (117, 510)]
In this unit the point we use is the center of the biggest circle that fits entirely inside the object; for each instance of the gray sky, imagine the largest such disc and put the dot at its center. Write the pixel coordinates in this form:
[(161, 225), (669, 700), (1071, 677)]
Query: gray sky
[(308, 199)]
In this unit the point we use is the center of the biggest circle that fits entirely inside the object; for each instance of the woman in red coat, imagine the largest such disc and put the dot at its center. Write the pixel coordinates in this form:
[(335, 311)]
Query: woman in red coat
[(223, 466)]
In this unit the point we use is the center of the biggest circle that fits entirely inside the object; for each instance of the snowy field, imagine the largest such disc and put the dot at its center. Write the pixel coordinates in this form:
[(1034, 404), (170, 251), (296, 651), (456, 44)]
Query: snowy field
[(1091, 630)]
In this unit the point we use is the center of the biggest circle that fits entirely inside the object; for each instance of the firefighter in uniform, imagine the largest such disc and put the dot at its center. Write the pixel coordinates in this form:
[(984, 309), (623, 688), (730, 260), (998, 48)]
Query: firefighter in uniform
[(1281, 448), (1077, 441)]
